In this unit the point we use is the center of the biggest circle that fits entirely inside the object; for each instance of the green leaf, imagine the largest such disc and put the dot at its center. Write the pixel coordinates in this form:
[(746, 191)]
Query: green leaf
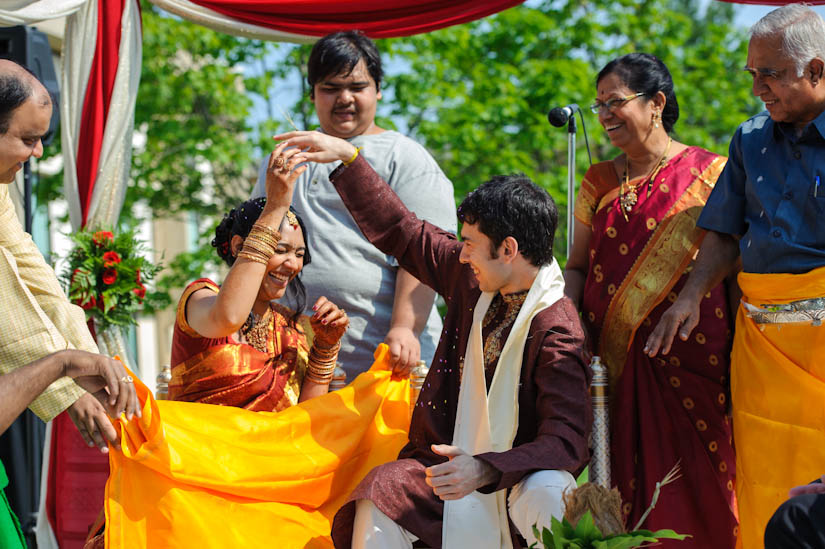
[(669, 534), (562, 532), (586, 529)]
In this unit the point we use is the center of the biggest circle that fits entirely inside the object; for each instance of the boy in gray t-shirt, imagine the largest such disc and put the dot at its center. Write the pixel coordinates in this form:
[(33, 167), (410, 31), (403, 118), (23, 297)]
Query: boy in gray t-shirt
[(383, 302)]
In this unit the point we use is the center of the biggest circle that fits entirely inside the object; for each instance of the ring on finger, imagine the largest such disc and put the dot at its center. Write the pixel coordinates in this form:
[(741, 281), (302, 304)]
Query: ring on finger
[(127, 379), (280, 162)]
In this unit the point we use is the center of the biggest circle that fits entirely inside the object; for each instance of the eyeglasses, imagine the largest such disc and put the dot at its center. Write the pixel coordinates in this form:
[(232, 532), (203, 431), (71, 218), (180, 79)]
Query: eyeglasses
[(614, 103)]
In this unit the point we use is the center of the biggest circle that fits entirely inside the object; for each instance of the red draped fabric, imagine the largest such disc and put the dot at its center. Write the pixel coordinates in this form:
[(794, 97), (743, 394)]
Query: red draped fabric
[(98, 96), (376, 18), (76, 482)]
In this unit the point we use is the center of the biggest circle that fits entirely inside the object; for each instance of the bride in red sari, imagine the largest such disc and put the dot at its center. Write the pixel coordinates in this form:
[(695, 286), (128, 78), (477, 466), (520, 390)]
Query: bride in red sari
[(233, 344), (635, 239)]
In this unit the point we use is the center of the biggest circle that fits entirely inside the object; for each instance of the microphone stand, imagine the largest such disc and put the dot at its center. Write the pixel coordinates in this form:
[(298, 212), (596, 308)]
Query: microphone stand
[(571, 178)]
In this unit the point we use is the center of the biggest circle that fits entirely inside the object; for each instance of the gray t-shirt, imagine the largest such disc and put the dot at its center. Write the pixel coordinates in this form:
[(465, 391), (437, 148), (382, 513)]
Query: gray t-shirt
[(345, 267)]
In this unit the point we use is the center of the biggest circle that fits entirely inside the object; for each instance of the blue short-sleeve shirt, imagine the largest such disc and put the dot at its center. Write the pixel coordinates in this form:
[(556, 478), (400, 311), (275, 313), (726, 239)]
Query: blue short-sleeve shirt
[(771, 194)]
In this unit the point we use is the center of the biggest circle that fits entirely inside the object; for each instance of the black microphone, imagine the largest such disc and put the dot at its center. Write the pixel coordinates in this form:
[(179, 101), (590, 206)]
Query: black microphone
[(560, 115)]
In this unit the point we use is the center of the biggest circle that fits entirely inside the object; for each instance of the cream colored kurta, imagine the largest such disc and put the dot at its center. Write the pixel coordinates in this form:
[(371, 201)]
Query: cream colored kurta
[(37, 318)]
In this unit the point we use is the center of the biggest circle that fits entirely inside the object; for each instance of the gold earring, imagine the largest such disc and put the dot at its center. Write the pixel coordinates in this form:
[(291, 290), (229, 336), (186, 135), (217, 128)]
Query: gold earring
[(656, 117)]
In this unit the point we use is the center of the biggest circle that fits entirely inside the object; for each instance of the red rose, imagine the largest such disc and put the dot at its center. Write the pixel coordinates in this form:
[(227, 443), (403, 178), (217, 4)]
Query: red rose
[(140, 292), (110, 259), (90, 304), (138, 277), (101, 238), (109, 276)]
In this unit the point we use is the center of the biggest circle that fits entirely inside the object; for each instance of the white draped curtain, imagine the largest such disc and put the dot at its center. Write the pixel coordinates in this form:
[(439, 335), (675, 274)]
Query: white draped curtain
[(111, 175)]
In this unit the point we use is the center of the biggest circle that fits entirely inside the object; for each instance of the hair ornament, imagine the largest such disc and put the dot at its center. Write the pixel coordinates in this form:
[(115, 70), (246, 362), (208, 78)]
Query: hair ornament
[(292, 219)]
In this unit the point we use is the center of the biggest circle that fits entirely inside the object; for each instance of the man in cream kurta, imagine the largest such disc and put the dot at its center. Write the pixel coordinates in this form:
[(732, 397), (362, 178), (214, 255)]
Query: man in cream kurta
[(503, 417), (38, 318)]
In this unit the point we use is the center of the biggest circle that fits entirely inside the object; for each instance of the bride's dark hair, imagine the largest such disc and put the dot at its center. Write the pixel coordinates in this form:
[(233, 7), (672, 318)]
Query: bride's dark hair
[(239, 222)]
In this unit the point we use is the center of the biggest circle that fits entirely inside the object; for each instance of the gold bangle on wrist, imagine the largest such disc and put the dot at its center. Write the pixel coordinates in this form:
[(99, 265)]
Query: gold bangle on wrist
[(259, 227), (321, 363), (244, 254), (322, 378)]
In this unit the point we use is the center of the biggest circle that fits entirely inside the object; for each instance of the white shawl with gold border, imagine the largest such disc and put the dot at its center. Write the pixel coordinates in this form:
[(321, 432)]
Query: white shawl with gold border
[(487, 422)]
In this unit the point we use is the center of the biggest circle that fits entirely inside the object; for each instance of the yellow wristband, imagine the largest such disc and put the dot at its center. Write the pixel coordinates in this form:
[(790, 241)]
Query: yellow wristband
[(351, 160)]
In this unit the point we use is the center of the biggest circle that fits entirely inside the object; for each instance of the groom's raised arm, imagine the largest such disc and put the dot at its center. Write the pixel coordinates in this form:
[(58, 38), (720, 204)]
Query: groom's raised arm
[(426, 251)]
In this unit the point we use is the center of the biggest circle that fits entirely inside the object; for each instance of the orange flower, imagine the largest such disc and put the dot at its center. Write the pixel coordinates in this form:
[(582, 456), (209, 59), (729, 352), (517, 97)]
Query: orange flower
[(101, 238), (110, 259)]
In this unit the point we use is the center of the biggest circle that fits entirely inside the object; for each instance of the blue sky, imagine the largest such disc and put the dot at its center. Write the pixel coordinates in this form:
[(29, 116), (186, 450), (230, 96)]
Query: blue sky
[(748, 15)]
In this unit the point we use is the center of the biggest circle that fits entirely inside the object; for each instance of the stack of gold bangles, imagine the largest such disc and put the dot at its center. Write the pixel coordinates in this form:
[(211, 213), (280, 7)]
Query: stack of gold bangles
[(260, 244), (321, 364)]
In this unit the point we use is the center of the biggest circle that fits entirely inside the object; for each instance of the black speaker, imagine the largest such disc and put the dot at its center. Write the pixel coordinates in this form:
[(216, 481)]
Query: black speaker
[(29, 47)]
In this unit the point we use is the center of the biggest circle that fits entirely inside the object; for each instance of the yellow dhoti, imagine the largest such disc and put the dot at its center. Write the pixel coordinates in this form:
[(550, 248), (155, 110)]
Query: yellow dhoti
[(205, 476), (778, 392)]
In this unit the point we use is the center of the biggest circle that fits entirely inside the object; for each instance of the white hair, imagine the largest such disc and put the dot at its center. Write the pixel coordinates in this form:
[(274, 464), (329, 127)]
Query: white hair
[(802, 31)]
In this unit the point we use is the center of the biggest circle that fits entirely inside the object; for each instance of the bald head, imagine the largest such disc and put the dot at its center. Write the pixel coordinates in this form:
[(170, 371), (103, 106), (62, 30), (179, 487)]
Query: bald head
[(25, 114), (18, 85)]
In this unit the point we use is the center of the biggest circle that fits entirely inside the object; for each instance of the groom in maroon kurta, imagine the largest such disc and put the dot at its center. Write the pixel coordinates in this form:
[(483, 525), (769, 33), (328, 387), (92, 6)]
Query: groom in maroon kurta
[(554, 415)]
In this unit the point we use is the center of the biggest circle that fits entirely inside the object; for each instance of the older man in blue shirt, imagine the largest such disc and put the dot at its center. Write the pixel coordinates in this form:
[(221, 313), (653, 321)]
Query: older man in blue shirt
[(767, 209)]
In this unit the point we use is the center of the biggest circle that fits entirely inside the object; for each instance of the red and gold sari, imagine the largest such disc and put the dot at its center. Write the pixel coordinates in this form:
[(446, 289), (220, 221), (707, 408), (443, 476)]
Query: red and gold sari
[(669, 409), (223, 371)]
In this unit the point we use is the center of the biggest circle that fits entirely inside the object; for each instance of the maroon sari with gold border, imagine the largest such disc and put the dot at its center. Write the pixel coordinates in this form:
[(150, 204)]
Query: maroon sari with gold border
[(670, 408), (223, 371)]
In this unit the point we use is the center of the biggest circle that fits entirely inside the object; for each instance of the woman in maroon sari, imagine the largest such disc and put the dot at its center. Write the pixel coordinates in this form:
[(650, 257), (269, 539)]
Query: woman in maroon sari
[(635, 239)]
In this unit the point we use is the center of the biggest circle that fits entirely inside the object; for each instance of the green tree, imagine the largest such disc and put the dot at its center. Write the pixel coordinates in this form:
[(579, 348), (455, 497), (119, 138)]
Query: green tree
[(477, 94)]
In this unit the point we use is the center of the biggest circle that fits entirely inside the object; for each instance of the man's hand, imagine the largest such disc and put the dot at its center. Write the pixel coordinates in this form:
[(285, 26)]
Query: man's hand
[(460, 476), (105, 378), (318, 147), (405, 350), (91, 420), (814, 488), (683, 316)]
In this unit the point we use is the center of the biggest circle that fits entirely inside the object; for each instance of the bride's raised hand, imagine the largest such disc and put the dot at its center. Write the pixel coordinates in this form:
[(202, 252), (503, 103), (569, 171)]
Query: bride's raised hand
[(329, 322), (281, 174), (318, 147)]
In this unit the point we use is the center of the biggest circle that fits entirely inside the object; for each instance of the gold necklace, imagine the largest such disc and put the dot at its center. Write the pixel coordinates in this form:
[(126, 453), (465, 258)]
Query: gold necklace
[(256, 330), (629, 198)]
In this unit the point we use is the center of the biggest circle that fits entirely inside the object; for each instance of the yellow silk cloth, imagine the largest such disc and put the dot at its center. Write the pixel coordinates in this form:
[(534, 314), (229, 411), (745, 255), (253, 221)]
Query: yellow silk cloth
[(205, 476), (778, 391)]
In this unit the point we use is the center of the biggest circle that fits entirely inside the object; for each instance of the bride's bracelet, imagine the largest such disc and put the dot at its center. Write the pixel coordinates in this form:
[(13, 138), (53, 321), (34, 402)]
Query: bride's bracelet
[(260, 244), (321, 364)]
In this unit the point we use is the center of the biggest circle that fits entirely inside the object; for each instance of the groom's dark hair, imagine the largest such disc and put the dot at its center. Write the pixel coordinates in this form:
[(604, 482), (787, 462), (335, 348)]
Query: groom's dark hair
[(512, 205)]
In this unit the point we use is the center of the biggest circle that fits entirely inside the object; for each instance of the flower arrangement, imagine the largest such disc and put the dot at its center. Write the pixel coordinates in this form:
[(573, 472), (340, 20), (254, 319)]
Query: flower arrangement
[(106, 276)]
